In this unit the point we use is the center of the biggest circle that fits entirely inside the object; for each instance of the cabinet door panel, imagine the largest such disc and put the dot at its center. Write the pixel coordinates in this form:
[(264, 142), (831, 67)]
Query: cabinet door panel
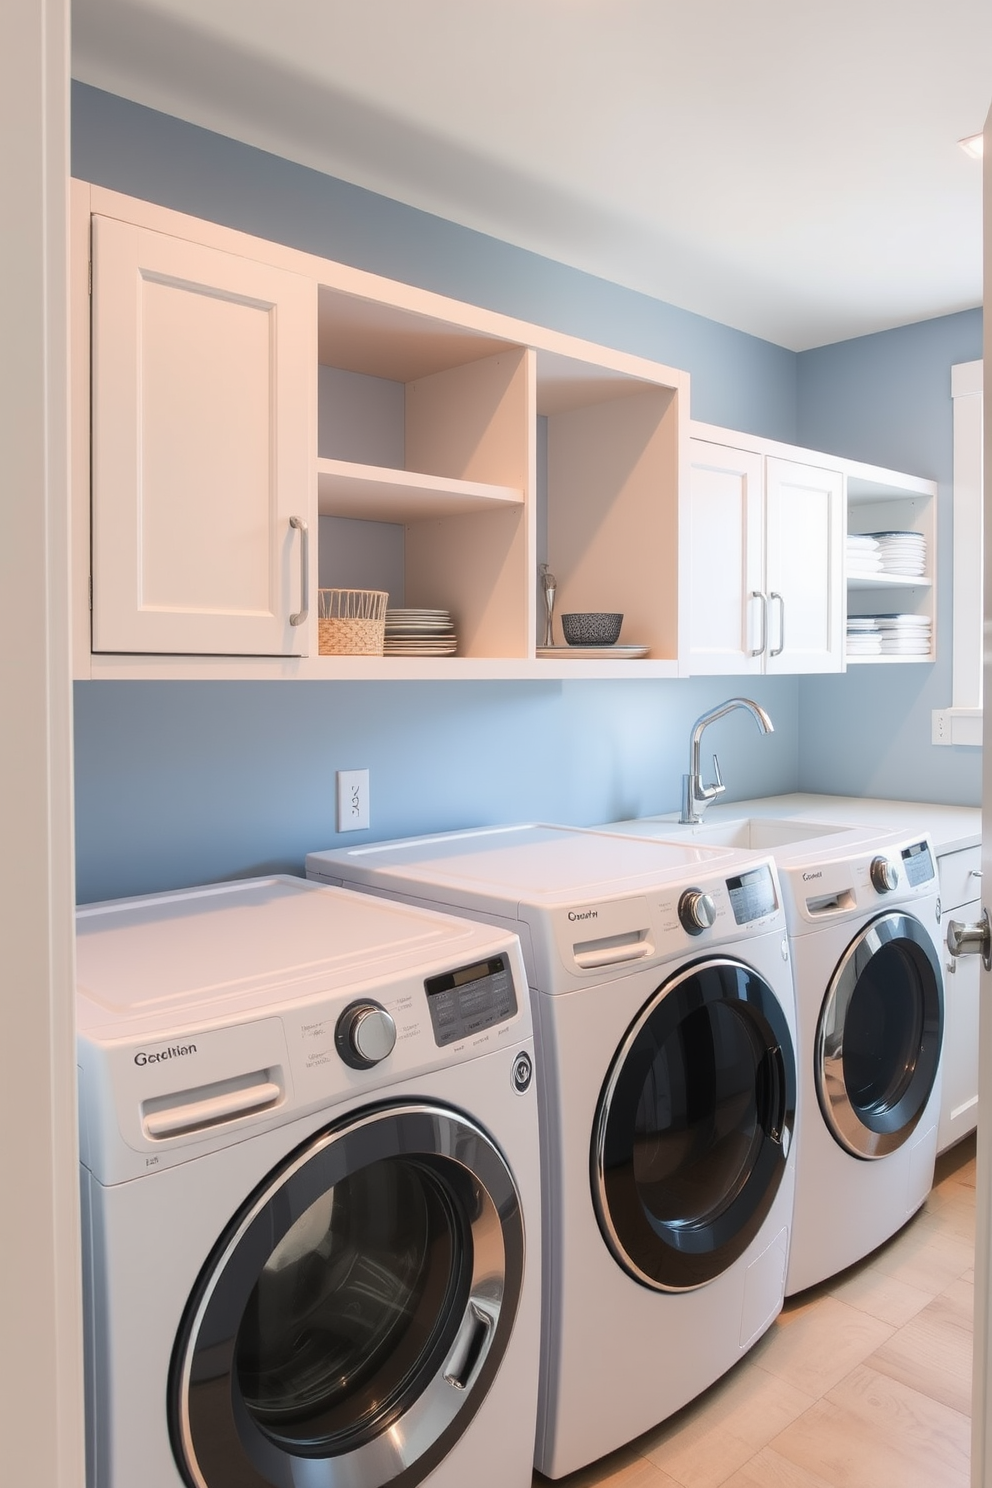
[(727, 619), (959, 1088), (203, 446), (804, 574)]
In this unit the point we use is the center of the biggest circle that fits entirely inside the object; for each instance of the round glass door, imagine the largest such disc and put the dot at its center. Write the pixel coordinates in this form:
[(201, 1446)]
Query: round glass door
[(694, 1125), (353, 1315), (879, 1036)]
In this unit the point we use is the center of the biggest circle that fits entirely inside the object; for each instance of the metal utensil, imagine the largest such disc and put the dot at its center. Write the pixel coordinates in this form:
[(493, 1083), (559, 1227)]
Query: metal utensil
[(549, 585)]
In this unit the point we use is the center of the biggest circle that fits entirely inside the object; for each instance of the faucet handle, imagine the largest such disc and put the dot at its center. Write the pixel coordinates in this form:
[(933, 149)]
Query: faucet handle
[(718, 787)]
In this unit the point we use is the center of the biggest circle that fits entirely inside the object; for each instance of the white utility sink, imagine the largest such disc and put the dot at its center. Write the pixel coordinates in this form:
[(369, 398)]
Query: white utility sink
[(759, 832)]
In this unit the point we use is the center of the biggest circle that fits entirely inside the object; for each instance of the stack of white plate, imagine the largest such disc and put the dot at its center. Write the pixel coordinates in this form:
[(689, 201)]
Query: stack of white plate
[(420, 633), (888, 635), (902, 552), (863, 636)]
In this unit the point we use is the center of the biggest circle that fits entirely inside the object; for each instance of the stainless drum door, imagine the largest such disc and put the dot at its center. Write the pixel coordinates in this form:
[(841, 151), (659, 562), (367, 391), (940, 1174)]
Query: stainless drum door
[(879, 1035), (694, 1126), (351, 1318)]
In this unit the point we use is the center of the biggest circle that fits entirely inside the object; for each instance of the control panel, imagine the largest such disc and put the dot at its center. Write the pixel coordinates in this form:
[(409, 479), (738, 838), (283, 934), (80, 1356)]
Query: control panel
[(752, 894), (918, 863), (470, 999)]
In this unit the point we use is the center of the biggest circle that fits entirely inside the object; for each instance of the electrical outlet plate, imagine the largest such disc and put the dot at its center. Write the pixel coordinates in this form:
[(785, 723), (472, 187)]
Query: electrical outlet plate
[(353, 800)]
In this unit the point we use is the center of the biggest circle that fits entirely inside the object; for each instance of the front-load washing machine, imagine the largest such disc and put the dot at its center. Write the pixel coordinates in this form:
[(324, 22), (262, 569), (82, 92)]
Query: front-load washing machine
[(864, 925), (311, 1193), (663, 1003)]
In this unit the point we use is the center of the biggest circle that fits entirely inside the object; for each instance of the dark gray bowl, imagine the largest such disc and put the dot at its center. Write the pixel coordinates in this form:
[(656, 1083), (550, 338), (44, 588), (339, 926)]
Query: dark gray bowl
[(592, 628)]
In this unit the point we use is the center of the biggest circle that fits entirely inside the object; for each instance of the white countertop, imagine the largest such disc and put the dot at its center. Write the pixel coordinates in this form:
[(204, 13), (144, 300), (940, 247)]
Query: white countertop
[(950, 827)]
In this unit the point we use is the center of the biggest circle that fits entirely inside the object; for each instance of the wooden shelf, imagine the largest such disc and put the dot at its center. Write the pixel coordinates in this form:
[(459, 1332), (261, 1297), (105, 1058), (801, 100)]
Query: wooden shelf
[(375, 668), (378, 494)]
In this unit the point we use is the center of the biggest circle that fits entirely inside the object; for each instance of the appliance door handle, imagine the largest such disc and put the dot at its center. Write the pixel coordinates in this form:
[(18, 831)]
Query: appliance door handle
[(776, 1093), (759, 594), (777, 650), (301, 526)]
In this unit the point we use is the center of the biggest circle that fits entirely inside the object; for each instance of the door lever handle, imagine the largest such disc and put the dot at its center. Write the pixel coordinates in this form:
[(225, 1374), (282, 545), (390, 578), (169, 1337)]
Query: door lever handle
[(972, 938)]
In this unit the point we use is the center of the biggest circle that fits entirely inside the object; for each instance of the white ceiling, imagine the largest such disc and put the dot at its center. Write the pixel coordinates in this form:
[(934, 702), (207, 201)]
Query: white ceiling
[(787, 168)]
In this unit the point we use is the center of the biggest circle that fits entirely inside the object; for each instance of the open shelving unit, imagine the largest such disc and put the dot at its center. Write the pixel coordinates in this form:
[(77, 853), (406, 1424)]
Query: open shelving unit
[(881, 500)]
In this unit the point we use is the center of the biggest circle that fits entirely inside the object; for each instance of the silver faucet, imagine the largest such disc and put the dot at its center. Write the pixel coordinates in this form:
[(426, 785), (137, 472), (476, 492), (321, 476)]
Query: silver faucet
[(695, 795)]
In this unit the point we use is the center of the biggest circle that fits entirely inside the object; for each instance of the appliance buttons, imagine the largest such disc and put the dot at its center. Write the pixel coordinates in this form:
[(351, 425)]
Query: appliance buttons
[(523, 1070)]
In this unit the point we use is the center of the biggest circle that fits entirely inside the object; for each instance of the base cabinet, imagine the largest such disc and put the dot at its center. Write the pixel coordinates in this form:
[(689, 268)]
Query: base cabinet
[(960, 877), (766, 563)]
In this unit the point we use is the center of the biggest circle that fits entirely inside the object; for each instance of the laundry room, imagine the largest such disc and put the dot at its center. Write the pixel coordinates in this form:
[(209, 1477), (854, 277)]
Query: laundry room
[(804, 796)]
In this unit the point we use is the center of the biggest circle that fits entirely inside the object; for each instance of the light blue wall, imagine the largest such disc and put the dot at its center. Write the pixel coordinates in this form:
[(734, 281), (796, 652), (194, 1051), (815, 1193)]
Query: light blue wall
[(887, 399), (183, 782)]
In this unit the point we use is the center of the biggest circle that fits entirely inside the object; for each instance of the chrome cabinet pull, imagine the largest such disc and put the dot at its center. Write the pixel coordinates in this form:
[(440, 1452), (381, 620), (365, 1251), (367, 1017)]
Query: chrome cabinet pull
[(777, 650), (300, 524), (757, 594)]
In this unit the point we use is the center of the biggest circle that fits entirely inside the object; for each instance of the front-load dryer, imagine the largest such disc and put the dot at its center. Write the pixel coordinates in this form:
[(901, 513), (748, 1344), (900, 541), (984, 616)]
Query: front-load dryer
[(663, 1001), (311, 1193), (864, 925)]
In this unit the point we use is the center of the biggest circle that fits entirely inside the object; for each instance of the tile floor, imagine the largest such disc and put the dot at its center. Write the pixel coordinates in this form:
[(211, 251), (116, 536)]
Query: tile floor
[(863, 1382)]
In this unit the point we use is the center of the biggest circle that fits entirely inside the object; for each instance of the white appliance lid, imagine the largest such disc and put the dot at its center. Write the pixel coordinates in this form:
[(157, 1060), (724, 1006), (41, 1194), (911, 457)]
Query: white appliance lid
[(209, 945), (534, 864)]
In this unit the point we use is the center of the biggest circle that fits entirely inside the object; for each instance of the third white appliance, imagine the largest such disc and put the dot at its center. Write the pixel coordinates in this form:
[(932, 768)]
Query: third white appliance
[(864, 924)]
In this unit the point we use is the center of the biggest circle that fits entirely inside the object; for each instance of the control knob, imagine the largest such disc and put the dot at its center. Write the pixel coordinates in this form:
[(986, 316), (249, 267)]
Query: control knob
[(884, 875), (697, 912), (365, 1034)]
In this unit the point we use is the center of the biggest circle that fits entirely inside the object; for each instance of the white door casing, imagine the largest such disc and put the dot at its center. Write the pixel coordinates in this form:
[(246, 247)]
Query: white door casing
[(981, 1415)]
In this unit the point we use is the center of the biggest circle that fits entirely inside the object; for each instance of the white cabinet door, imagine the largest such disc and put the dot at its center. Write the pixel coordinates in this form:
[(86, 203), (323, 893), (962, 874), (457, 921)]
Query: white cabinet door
[(767, 583), (727, 605), (204, 448), (804, 517)]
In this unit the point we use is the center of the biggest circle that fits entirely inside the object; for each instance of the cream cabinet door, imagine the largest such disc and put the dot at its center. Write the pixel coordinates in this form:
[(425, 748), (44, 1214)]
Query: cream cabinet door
[(804, 550), (203, 448), (728, 611)]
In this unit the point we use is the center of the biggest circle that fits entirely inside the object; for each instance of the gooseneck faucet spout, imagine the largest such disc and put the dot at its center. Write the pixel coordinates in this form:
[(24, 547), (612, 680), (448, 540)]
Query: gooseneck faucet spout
[(695, 795)]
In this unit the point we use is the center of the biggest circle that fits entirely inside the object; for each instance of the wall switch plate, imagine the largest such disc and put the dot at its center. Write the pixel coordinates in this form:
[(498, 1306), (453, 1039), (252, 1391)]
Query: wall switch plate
[(353, 800)]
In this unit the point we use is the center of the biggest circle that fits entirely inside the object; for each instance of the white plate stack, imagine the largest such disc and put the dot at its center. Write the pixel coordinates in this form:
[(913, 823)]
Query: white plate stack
[(903, 553), (863, 636), (420, 633), (889, 635)]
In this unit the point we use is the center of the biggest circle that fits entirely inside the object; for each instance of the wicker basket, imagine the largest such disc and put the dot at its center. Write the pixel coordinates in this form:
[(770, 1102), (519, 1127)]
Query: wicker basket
[(351, 622)]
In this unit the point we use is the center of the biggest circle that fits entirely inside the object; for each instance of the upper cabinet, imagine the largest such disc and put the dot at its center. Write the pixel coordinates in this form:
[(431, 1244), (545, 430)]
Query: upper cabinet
[(202, 417), (264, 422), (766, 560), (775, 582)]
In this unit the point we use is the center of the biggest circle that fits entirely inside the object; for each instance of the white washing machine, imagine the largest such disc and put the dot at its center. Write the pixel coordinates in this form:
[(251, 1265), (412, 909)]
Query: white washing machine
[(311, 1193), (663, 1004), (864, 925)]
